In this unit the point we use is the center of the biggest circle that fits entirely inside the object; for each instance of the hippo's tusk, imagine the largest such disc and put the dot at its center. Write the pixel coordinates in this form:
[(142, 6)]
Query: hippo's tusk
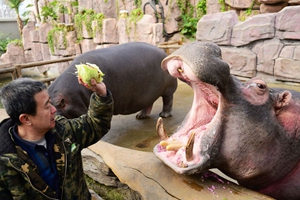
[(189, 147), (179, 70), (171, 145), (160, 130)]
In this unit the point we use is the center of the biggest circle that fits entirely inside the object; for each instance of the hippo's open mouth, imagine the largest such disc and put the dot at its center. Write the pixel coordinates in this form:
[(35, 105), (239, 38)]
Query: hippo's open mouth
[(189, 149)]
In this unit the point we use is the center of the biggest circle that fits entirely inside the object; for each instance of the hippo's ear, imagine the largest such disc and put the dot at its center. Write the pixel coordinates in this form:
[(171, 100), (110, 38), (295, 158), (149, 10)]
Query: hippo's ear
[(61, 105), (283, 99)]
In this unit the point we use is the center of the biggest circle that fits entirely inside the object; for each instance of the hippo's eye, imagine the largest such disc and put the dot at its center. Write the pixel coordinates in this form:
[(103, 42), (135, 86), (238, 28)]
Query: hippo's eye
[(261, 86)]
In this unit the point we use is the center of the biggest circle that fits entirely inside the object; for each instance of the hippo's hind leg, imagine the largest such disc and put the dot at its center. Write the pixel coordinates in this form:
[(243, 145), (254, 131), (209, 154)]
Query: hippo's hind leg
[(143, 114), (167, 106)]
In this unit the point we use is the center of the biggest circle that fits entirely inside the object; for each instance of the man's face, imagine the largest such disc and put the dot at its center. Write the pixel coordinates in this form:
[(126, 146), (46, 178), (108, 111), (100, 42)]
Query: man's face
[(44, 120)]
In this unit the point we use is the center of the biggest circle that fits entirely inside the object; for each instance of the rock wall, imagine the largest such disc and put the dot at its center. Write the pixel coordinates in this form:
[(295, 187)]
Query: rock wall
[(265, 45)]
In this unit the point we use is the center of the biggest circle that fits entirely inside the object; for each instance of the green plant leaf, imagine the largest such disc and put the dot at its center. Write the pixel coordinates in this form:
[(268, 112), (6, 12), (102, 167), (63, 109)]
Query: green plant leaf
[(89, 71)]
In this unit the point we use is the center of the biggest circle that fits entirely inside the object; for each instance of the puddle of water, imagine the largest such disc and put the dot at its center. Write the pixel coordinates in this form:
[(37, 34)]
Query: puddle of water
[(193, 185)]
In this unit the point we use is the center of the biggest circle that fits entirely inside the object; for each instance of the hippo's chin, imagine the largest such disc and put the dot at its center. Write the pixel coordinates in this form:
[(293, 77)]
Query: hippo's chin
[(190, 148)]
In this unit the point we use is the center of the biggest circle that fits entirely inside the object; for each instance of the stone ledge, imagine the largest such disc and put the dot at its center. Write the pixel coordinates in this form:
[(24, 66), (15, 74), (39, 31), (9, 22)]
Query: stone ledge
[(152, 179)]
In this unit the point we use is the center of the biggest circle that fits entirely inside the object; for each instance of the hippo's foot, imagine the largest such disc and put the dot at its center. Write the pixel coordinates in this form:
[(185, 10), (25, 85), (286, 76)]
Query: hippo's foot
[(142, 115), (165, 114)]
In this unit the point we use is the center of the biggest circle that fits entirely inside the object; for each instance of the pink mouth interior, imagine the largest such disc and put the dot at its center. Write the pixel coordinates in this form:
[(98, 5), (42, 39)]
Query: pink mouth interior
[(202, 112)]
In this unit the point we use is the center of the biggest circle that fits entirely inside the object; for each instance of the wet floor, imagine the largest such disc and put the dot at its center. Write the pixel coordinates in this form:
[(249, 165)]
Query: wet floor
[(126, 131)]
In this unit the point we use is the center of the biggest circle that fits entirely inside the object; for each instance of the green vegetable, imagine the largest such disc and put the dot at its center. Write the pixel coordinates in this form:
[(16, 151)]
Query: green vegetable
[(89, 71)]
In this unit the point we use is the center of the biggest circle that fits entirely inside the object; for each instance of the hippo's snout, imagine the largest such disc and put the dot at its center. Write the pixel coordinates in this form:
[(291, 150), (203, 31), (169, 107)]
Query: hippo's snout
[(190, 148)]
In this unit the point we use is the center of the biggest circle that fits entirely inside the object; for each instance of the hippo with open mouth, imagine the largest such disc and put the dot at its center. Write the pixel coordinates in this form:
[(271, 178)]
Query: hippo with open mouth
[(248, 131)]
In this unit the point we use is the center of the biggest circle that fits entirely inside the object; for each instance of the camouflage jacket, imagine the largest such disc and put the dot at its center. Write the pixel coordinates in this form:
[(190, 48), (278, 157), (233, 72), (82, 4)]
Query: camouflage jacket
[(19, 177)]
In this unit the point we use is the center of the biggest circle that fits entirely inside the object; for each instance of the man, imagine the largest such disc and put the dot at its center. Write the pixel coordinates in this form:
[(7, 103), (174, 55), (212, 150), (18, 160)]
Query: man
[(40, 153)]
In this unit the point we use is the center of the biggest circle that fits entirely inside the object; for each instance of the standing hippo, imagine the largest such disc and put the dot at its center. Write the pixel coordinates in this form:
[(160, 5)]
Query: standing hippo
[(248, 131), (132, 74)]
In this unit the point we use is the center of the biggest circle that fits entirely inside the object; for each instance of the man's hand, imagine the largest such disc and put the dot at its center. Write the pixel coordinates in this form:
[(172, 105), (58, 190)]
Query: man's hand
[(99, 88)]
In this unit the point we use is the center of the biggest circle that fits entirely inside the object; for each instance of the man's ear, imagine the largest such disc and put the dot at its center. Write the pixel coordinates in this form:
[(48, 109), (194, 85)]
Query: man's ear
[(283, 100), (24, 119)]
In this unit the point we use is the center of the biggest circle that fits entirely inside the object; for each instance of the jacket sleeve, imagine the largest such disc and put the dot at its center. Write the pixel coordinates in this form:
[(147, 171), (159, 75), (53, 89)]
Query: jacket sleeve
[(11, 179), (5, 194), (91, 127)]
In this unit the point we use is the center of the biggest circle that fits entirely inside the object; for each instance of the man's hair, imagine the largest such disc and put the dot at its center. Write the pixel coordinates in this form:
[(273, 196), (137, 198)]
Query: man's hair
[(17, 97)]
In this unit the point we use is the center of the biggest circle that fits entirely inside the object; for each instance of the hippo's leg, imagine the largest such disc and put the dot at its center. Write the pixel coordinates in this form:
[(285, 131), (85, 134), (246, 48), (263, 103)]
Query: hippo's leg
[(167, 106), (143, 114)]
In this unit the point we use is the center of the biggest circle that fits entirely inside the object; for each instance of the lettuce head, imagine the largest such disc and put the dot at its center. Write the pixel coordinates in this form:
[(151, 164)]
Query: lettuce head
[(89, 71)]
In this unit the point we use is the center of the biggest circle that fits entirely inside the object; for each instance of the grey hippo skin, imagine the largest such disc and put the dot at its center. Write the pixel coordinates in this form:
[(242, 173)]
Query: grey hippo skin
[(248, 131), (133, 74)]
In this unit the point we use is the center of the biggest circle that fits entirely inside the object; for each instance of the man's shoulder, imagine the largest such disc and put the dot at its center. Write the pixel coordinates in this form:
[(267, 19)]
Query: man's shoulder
[(6, 143), (6, 121)]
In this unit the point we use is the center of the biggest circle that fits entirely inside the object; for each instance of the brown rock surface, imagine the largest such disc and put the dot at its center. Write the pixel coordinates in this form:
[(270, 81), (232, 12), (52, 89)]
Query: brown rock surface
[(217, 27), (273, 2), (287, 23), (255, 28), (239, 4), (152, 179), (272, 8)]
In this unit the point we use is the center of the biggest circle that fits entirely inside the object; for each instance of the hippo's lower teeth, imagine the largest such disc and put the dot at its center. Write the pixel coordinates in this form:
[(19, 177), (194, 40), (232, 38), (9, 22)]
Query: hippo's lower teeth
[(160, 129), (189, 147), (172, 145)]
